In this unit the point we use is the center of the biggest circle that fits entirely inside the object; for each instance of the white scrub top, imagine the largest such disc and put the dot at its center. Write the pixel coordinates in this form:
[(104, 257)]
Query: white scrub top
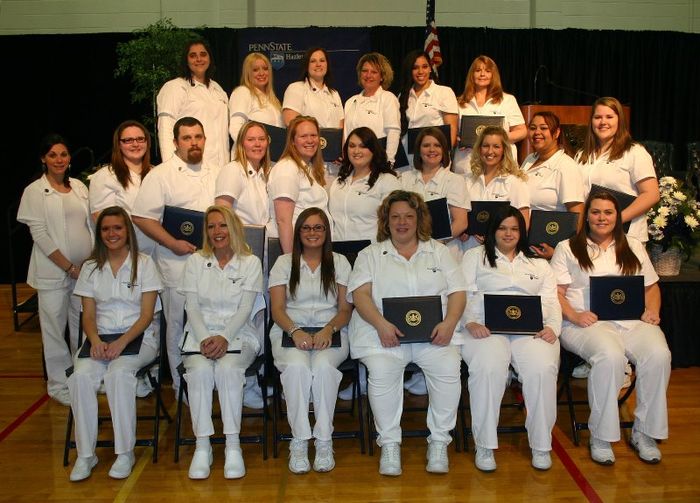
[(380, 113), (244, 106), (248, 188), (553, 183), (322, 104)]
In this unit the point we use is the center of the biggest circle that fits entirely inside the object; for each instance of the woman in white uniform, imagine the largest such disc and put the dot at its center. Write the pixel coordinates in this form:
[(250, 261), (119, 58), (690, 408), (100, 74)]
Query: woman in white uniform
[(553, 177), (599, 249), (221, 283), (495, 176), (296, 181), (254, 99), (119, 288), (407, 262), (375, 107), (483, 95), (308, 290), (195, 94), (422, 101), (611, 159), (55, 207), (118, 183), (504, 265), (364, 180)]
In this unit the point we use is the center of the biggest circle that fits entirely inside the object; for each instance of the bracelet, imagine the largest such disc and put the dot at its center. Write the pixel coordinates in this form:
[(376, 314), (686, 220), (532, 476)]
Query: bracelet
[(292, 329), (69, 268), (334, 329)]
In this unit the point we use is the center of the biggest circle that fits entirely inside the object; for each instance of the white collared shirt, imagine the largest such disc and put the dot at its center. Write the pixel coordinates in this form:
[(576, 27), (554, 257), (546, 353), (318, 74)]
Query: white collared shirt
[(427, 109), (568, 272), (623, 175), (322, 104), (219, 293), (443, 184), (175, 183), (553, 183), (117, 299), (248, 190), (353, 206), (430, 271), (106, 191), (244, 106), (379, 112), (522, 276)]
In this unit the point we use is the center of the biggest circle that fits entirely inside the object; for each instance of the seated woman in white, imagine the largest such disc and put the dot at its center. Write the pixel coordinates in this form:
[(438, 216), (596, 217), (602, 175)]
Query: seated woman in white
[(307, 290), (504, 265), (221, 284), (119, 289)]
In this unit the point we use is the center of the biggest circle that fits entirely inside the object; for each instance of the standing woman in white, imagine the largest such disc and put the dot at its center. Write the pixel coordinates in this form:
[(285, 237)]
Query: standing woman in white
[(118, 183), (611, 159), (195, 94), (422, 101), (119, 289), (221, 283), (484, 95), (375, 107), (55, 207), (553, 177), (296, 181), (308, 289), (254, 99)]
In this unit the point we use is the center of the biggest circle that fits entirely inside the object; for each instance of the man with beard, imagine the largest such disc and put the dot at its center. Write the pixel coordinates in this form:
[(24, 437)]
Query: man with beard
[(183, 181)]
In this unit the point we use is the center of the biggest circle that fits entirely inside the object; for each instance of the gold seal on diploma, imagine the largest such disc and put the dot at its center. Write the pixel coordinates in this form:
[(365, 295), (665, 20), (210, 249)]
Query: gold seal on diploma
[(617, 296), (552, 228), (513, 312), (413, 318), (187, 228)]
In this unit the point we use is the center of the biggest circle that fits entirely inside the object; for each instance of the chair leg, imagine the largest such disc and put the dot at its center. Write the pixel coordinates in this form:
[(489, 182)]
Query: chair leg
[(276, 411), (357, 395), (178, 419), (262, 382), (69, 430)]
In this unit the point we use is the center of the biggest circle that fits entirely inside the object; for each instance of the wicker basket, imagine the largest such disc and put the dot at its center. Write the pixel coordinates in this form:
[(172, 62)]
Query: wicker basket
[(666, 263)]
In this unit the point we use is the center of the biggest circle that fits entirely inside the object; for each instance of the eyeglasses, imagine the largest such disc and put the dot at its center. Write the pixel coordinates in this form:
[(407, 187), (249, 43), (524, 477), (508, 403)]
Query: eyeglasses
[(315, 228), (130, 141)]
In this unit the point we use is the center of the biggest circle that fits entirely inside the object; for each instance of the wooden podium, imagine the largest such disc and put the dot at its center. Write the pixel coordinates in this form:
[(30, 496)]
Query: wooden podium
[(569, 115)]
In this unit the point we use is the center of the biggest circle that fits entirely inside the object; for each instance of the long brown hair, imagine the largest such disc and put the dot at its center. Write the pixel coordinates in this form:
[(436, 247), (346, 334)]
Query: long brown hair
[(327, 264), (622, 141), (317, 166), (119, 167), (625, 258), (495, 89), (99, 251)]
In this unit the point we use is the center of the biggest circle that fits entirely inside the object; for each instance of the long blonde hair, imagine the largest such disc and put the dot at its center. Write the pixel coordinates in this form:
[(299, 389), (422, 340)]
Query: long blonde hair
[(317, 165), (237, 242), (508, 166), (247, 80)]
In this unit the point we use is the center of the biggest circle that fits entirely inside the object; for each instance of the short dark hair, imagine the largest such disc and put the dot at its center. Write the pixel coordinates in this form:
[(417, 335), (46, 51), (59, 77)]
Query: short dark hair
[(187, 122)]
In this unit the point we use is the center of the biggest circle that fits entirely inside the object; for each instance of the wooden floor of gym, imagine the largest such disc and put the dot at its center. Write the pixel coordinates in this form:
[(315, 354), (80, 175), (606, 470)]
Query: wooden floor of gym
[(32, 429)]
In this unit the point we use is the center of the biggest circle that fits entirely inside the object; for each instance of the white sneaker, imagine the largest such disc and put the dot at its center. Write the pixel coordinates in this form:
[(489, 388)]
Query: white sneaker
[(438, 462), (416, 384), (582, 371), (484, 459), (143, 387), (252, 395), (299, 456), (346, 394), (541, 460), (201, 463), (390, 461), (646, 447), (62, 396), (628, 377), (324, 461), (234, 467), (601, 451), (82, 468), (121, 468)]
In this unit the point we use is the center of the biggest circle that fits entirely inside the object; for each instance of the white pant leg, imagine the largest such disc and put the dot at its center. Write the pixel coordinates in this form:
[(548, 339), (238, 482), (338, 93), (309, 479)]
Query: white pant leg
[(120, 385), (56, 308), (294, 366), (385, 393), (488, 360), (83, 385), (174, 311), (537, 364), (601, 345), (647, 349), (440, 365), (199, 375), (229, 376), (325, 380)]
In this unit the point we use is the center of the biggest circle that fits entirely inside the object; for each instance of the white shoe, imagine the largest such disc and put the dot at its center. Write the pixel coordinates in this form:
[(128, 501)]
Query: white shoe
[(601, 451), (121, 468), (143, 387), (324, 461), (62, 396), (438, 462), (102, 390), (252, 395), (484, 459), (346, 394), (201, 463), (390, 461), (542, 460), (582, 371), (628, 377), (646, 447), (416, 384), (234, 467), (82, 468), (299, 456)]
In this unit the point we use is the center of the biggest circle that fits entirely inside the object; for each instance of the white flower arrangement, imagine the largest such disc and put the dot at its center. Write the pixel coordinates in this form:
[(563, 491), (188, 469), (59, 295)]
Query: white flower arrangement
[(674, 222)]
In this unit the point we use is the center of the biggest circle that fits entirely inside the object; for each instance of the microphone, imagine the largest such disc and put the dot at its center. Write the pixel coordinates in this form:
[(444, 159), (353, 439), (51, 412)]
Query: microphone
[(534, 83), (557, 86)]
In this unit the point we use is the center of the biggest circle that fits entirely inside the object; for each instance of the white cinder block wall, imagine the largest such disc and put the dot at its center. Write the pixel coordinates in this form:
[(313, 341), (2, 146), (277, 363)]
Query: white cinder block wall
[(94, 16)]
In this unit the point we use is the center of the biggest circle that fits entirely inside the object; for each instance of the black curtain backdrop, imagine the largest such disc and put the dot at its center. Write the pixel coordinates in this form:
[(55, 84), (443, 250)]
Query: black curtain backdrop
[(66, 83)]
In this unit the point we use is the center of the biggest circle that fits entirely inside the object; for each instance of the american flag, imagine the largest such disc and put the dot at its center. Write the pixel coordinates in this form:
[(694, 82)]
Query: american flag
[(432, 43)]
